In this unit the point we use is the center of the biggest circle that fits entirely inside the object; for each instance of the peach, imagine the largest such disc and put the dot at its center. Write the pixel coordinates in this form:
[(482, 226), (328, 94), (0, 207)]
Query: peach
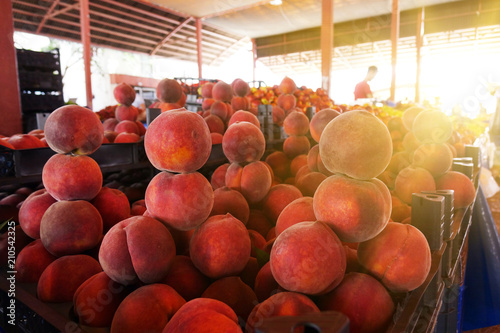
[(181, 201), (278, 115), (413, 180), (215, 124), (436, 158), (186, 279), (233, 176), (321, 167), (204, 314), (110, 135), (357, 210), (463, 187), (6, 143), (243, 142), (178, 141), (137, 249), (281, 304), (399, 257), (68, 177), (298, 162), (250, 272), (432, 126), (235, 293), (364, 300), (352, 264), (222, 91), (140, 127), (240, 88), (216, 138), (124, 94), (309, 258), (113, 206), (277, 199), (258, 221), (265, 284), (271, 234), (206, 105), (319, 122), (296, 123), (75, 129), (410, 142), (56, 285), (219, 176), (230, 201), (70, 227), (287, 86), (299, 210), (164, 107), (256, 182), (126, 126), (409, 116), (96, 300), (32, 210), (157, 303), (242, 115), (240, 103), (126, 137), (357, 144), (309, 183), (312, 158), (32, 261), (286, 102), (258, 242), (181, 240), (400, 210), (220, 246), (206, 90), (279, 163), (219, 109), (169, 91), (109, 124), (138, 208), (399, 161), (126, 112)]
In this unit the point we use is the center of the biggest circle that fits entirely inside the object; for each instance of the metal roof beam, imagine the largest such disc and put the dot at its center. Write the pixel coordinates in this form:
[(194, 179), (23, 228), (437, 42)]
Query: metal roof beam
[(170, 35)]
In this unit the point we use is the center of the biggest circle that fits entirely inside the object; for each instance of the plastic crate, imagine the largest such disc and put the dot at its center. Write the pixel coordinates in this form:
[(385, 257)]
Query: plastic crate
[(32, 60)]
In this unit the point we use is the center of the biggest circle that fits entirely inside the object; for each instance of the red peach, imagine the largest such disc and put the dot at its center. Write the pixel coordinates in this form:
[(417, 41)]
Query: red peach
[(258, 221), (436, 158), (278, 115), (125, 137), (168, 91), (250, 271), (206, 90), (32, 210), (413, 180), (113, 206), (219, 176), (125, 112), (278, 198), (256, 181), (319, 122), (216, 138), (230, 201), (240, 103), (265, 284), (258, 242), (287, 86), (296, 145), (124, 94), (296, 123), (109, 124), (24, 141), (243, 142), (186, 279), (240, 87), (32, 261), (242, 115), (309, 183), (222, 91), (279, 163), (127, 126), (215, 124), (463, 187), (287, 102), (110, 135), (219, 109), (299, 210)]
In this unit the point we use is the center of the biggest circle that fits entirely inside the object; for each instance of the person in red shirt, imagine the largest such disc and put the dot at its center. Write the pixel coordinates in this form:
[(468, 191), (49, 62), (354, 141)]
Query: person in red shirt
[(362, 89)]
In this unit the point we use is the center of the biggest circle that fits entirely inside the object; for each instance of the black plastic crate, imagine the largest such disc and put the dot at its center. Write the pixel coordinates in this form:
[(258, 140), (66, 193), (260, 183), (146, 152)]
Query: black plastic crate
[(38, 80), (32, 60), (38, 101)]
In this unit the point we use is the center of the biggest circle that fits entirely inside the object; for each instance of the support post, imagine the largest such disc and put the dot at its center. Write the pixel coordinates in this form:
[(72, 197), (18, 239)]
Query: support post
[(326, 43), (85, 35), (254, 57), (394, 41), (198, 46), (419, 43), (9, 93)]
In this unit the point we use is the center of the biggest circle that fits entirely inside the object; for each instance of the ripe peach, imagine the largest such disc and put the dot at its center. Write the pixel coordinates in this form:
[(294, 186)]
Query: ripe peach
[(219, 176), (113, 206), (265, 284), (242, 115), (319, 122), (126, 126), (32, 261), (356, 210), (6, 143), (206, 90), (296, 145), (137, 249), (178, 141), (211, 315), (206, 105), (240, 87), (258, 242), (230, 201), (219, 109), (182, 201), (287, 86), (233, 176), (157, 303), (124, 94), (72, 128), (410, 142), (299, 210), (68, 177), (126, 112), (109, 124), (216, 138), (364, 300), (399, 161), (243, 142), (277, 199), (286, 102), (215, 124), (56, 285), (357, 144), (125, 137), (70, 227), (222, 91), (220, 246), (400, 210), (309, 183), (138, 208), (96, 300), (235, 293), (279, 163), (463, 187), (32, 210), (240, 103), (181, 240), (250, 271), (308, 258), (278, 115), (312, 158), (185, 278), (399, 257), (256, 181), (296, 123), (258, 221), (110, 135), (298, 162), (413, 180), (436, 158), (281, 304), (432, 126), (409, 116), (168, 91)]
